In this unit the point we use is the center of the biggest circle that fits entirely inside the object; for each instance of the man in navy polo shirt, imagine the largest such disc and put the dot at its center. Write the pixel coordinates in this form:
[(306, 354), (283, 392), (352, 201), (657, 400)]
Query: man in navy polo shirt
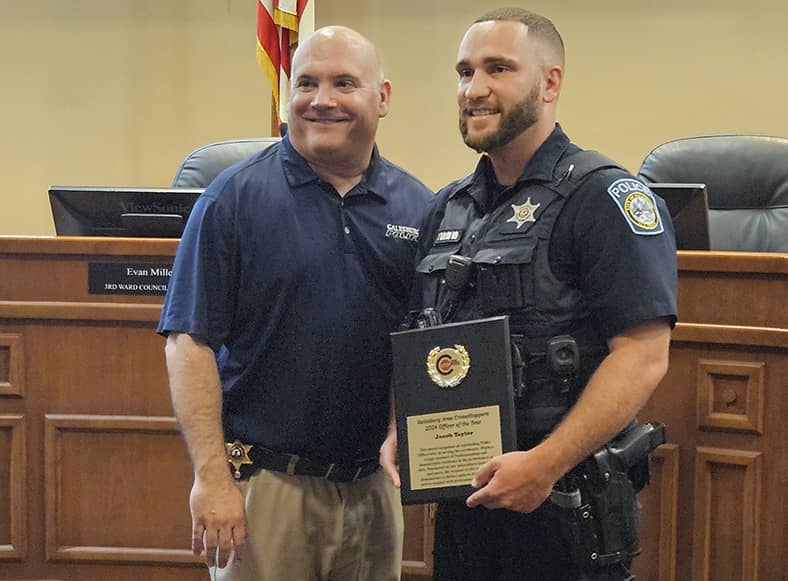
[(292, 270)]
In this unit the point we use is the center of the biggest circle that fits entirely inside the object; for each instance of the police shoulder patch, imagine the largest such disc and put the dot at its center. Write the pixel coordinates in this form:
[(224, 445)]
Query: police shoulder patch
[(638, 205)]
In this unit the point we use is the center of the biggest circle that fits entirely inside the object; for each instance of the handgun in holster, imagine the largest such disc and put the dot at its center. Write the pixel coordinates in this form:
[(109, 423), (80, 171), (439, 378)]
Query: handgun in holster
[(597, 501)]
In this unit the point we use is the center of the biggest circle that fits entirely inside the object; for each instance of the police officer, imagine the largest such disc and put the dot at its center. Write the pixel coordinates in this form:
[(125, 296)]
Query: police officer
[(581, 256)]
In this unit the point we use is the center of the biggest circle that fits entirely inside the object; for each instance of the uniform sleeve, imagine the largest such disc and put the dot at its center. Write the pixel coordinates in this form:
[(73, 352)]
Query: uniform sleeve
[(201, 293), (626, 262)]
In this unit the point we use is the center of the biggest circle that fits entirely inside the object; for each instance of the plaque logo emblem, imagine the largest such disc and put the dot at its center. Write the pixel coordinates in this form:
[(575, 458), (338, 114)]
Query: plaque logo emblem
[(448, 366)]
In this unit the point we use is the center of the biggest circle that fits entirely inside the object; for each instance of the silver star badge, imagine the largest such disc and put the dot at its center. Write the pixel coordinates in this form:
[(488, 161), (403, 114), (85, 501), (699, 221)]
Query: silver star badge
[(524, 212)]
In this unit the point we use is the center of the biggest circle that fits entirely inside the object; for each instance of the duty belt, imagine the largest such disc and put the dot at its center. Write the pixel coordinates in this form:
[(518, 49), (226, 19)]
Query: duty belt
[(246, 459)]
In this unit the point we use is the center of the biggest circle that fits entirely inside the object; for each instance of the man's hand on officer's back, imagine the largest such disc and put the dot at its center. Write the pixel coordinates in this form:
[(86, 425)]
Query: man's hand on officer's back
[(218, 520)]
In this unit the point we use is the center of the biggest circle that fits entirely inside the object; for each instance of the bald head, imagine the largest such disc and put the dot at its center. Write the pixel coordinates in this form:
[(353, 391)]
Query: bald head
[(333, 38), (337, 96)]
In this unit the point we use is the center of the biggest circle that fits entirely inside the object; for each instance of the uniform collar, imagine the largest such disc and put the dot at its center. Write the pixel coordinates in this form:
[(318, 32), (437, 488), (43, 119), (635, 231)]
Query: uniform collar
[(481, 184), (298, 172)]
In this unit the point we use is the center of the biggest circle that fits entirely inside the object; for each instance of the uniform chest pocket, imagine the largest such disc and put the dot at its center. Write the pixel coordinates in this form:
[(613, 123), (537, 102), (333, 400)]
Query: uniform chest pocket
[(433, 266), (505, 275), (436, 262)]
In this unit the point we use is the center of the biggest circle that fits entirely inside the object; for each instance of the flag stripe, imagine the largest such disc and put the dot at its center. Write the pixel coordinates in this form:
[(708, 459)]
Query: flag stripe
[(268, 54), (280, 25), (267, 34), (286, 20)]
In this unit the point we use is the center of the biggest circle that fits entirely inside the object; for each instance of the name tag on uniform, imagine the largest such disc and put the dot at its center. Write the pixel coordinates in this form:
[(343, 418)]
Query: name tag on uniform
[(448, 236)]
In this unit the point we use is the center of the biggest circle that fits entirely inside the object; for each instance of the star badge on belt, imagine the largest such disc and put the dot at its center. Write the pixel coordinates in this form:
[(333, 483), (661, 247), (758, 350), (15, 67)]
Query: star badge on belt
[(524, 212), (237, 455)]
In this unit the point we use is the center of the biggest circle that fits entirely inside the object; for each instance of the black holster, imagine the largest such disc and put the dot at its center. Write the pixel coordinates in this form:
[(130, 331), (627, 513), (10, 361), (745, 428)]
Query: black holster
[(603, 530), (597, 501)]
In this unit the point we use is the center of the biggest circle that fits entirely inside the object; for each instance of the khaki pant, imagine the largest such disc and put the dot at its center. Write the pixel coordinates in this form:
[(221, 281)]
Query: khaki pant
[(302, 528)]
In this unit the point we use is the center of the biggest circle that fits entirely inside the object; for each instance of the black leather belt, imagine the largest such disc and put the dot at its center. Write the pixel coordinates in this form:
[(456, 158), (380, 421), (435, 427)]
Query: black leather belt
[(247, 459)]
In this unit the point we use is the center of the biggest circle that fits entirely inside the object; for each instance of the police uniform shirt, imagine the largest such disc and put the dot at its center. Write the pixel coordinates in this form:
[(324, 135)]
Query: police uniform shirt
[(296, 289), (608, 241)]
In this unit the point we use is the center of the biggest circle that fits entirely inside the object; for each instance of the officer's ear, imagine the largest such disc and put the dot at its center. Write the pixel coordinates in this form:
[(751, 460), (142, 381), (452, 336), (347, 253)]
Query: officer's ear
[(552, 82)]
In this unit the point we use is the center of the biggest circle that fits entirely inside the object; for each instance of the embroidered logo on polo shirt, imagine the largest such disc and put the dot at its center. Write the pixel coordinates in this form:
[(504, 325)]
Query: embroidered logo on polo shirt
[(402, 232), (524, 212), (638, 206)]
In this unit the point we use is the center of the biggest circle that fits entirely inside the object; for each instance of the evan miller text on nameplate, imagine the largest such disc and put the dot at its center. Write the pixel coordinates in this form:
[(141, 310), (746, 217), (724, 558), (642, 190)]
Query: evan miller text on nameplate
[(123, 278)]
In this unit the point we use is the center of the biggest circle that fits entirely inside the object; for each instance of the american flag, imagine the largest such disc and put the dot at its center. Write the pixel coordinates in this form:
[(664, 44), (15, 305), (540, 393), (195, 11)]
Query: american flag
[(281, 24)]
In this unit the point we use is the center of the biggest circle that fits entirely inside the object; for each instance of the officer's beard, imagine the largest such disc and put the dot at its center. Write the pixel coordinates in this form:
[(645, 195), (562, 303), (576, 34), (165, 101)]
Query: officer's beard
[(513, 122)]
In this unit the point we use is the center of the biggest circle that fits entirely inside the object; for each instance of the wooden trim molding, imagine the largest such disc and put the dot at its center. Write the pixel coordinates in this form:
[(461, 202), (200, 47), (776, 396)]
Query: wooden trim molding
[(735, 262), (731, 335), (726, 482), (18, 509), (12, 377), (87, 246), (78, 311), (56, 427)]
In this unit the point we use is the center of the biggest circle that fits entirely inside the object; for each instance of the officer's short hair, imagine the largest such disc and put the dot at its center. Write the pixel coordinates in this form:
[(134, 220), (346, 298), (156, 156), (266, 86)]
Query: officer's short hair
[(539, 27)]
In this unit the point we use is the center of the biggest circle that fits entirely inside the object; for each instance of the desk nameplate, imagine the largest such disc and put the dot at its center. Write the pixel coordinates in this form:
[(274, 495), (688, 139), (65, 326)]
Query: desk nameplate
[(126, 278)]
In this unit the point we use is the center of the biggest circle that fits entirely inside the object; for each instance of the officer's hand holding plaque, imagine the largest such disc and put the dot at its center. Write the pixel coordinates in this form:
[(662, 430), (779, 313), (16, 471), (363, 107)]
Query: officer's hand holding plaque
[(454, 405)]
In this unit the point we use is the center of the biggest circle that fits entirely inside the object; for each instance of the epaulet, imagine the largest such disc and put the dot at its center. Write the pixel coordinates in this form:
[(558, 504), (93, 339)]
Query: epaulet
[(572, 170)]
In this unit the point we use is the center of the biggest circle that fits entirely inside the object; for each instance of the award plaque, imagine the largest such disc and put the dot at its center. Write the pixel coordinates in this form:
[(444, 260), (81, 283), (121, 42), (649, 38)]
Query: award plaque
[(454, 405)]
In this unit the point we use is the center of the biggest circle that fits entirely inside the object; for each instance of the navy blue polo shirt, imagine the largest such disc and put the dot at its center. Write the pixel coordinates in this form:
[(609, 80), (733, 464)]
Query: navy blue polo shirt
[(296, 289)]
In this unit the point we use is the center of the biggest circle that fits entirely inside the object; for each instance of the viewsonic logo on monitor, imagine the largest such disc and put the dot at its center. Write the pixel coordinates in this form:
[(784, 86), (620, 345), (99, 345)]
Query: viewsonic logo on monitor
[(155, 208)]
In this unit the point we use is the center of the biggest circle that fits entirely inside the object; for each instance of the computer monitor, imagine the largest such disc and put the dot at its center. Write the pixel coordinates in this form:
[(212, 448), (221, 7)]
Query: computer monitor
[(688, 205), (125, 212)]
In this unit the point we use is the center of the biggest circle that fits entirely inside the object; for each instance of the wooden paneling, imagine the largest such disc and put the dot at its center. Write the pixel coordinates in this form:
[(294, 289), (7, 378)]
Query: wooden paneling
[(110, 499), (733, 288), (417, 550), (129, 471), (13, 488), (106, 471), (727, 515), (658, 541), (724, 403)]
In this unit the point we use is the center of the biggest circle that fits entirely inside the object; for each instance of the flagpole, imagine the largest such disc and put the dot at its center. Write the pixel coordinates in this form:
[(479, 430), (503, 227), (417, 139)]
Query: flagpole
[(274, 120)]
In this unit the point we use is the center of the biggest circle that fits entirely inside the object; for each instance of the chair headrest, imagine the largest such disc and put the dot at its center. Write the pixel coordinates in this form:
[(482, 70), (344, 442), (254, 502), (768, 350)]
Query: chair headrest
[(203, 164), (740, 171)]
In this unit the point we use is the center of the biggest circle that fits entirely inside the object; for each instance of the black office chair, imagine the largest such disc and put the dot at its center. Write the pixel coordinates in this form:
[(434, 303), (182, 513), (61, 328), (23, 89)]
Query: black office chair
[(746, 177), (204, 163)]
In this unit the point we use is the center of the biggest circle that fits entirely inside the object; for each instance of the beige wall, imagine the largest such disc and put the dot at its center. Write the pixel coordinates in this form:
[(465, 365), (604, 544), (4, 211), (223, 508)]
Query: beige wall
[(639, 72), (118, 91)]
